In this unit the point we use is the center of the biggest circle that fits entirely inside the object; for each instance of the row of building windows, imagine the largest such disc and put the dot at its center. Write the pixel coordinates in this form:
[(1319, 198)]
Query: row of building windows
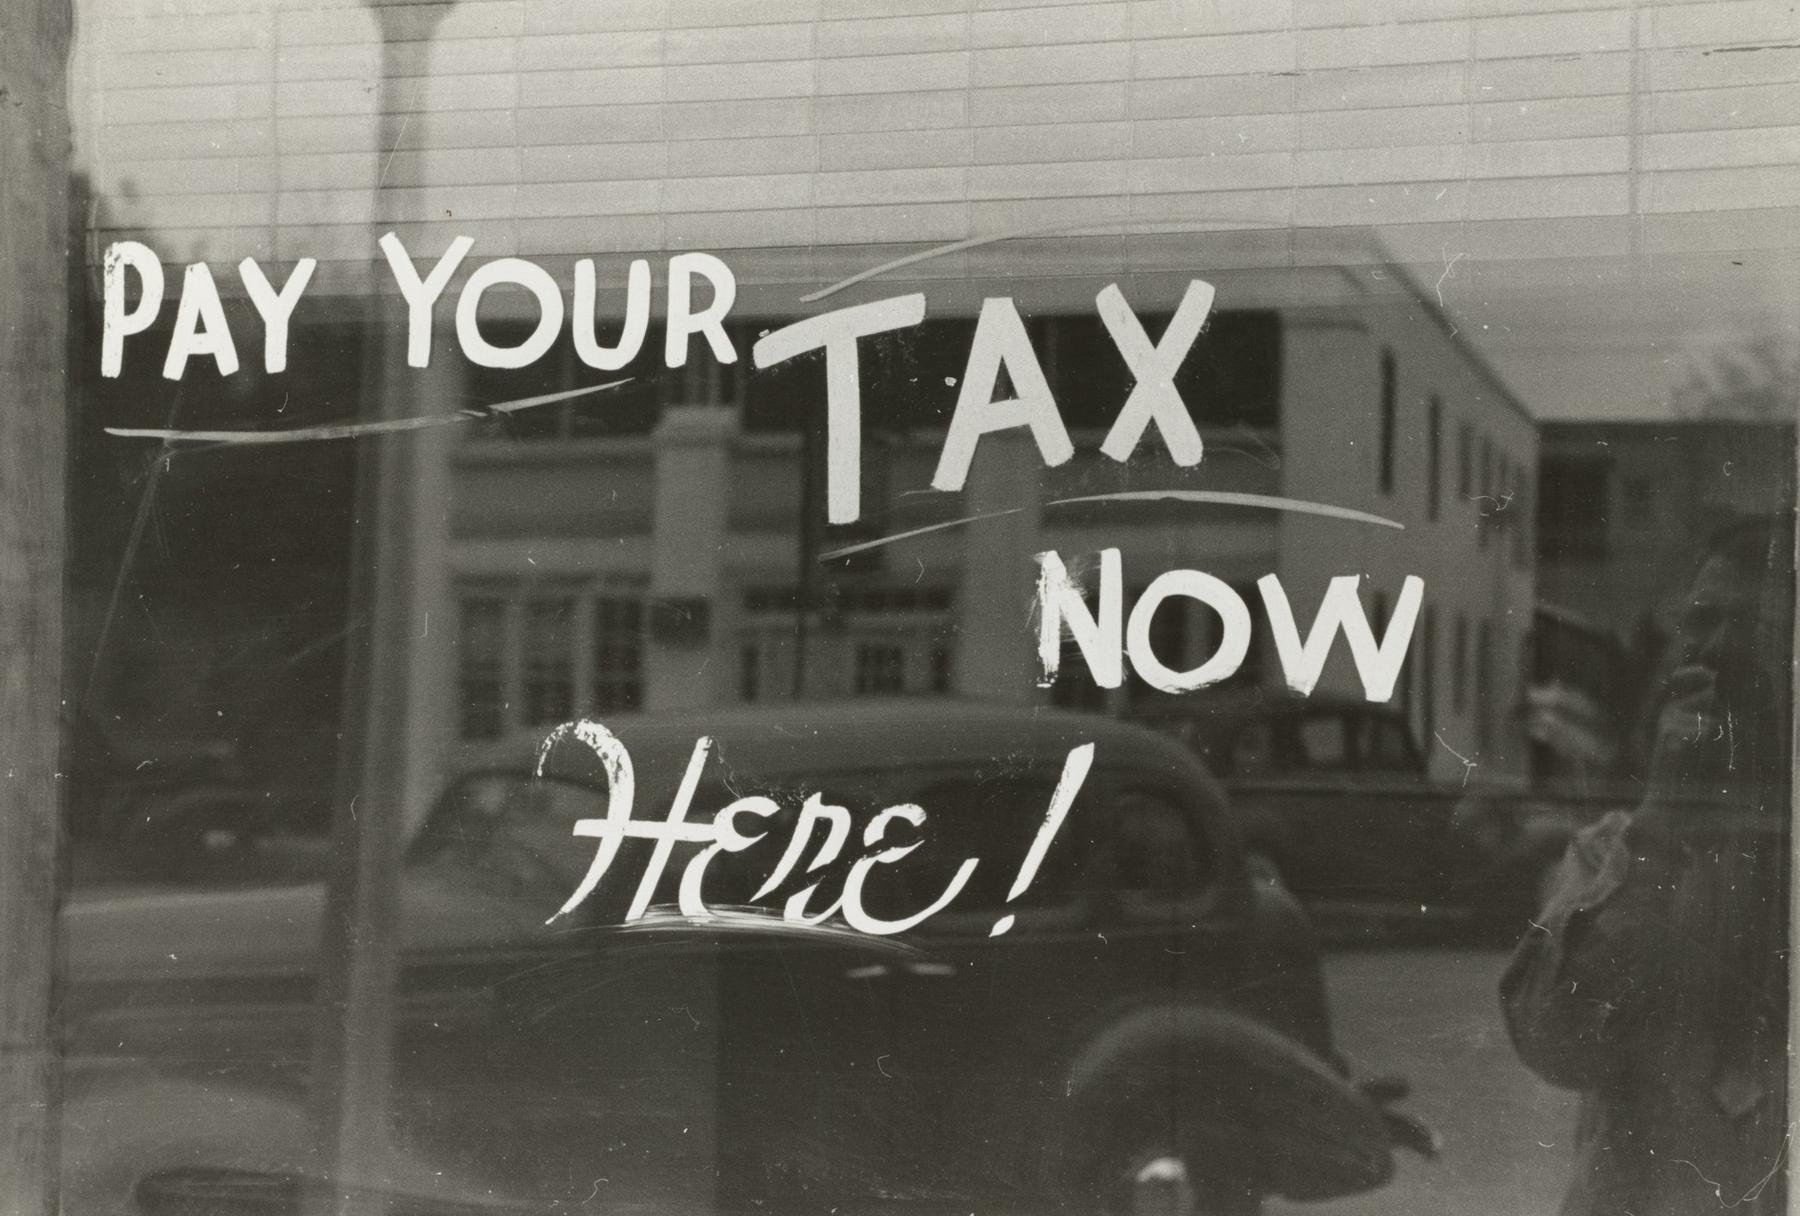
[(541, 658), (859, 659), (1231, 377), (1499, 488), (861, 640), (1472, 670)]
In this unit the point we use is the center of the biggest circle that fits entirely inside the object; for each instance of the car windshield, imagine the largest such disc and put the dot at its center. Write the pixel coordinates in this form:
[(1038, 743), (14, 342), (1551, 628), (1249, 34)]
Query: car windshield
[(495, 820)]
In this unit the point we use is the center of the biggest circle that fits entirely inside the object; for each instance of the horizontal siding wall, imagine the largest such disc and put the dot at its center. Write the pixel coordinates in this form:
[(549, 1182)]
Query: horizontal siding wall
[(1514, 128)]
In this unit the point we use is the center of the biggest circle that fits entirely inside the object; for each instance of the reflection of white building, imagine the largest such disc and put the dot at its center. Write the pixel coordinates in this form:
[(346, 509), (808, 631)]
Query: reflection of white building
[(662, 568)]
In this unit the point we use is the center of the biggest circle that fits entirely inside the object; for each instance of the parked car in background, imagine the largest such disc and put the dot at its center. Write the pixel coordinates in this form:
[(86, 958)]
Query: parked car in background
[(1337, 803), (1155, 1019), (142, 807), (189, 795)]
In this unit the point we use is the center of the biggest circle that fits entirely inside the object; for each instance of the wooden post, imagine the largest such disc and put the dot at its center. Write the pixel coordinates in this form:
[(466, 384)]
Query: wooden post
[(34, 234), (353, 1046), (1793, 1190)]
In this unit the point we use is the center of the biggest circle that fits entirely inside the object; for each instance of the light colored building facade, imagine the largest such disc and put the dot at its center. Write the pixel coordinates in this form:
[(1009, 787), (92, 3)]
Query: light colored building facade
[(592, 572)]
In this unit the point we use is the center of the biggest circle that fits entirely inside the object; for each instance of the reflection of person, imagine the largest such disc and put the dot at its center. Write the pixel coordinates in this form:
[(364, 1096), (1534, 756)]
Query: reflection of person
[(1655, 978)]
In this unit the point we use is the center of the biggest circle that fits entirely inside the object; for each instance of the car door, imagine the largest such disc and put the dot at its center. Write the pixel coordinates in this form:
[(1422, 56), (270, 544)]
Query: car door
[(1360, 825), (698, 1064), (1126, 910), (547, 1059), (975, 1018), (1417, 820)]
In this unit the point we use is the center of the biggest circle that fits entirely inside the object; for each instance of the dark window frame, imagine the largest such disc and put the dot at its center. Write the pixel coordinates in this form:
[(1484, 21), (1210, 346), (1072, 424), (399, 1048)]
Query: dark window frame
[(1389, 419)]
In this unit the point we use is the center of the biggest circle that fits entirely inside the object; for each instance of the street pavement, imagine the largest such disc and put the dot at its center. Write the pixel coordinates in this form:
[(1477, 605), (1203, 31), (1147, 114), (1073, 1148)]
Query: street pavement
[(1432, 1016)]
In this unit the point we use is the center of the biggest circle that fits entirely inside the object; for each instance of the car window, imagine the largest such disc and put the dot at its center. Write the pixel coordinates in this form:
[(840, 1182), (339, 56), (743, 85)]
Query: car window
[(509, 833), (733, 878), (1155, 848), (992, 817)]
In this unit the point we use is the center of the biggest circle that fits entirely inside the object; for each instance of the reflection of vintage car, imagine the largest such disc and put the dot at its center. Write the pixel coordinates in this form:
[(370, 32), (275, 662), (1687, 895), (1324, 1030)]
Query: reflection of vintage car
[(1335, 800), (154, 808), (188, 798), (113, 778), (1154, 1018)]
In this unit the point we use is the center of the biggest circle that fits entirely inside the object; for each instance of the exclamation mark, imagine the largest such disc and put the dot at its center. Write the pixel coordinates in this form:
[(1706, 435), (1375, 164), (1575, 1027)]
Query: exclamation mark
[(1075, 771)]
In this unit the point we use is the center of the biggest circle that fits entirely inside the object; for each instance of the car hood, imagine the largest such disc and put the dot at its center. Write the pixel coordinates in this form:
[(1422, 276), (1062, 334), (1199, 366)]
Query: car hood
[(173, 933)]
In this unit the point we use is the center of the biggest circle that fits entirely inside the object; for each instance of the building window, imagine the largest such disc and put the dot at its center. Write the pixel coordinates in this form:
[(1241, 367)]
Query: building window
[(749, 671), (1522, 520), (1485, 693), (1465, 461), (883, 637), (1231, 376), (1486, 503), (482, 647), (1434, 457), (1574, 507), (1390, 391), (703, 380), (629, 409), (549, 660), (618, 654), (1427, 700), (940, 668), (880, 667), (1459, 666), (1490, 491), (533, 659)]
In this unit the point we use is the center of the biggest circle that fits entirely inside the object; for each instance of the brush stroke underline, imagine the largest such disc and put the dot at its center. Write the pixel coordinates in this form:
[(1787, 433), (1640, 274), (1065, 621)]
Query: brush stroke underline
[(1228, 498), (352, 430)]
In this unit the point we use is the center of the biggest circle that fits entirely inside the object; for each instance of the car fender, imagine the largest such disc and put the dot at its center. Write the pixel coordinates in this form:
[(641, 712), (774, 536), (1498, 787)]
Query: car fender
[(1227, 1094), (165, 832), (151, 812), (1290, 994), (119, 1133), (124, 1131)]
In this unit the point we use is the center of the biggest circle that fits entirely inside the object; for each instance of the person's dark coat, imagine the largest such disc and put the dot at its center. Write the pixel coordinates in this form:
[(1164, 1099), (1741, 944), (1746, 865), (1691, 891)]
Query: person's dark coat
[(1653, 983)]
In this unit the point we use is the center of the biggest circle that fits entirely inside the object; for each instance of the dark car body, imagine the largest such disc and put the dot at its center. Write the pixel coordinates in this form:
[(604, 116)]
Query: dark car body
[(1336, 798), (1151, 1000), (142, 806)]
